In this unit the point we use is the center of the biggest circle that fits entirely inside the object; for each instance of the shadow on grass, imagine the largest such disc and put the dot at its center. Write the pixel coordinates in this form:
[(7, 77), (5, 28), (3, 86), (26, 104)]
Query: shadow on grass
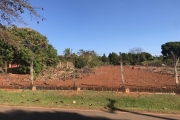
[(29, 115), (113, 109)]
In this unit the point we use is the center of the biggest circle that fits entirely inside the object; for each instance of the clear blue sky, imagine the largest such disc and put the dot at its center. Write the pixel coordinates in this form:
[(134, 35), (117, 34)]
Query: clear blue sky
[(108, 25)]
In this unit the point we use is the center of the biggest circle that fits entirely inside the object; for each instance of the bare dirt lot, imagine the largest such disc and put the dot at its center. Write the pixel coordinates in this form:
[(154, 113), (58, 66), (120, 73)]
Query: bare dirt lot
[(108, 76)]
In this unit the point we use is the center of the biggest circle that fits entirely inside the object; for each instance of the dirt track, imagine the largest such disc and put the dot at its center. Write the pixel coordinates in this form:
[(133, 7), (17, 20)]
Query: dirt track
[(109, 76)]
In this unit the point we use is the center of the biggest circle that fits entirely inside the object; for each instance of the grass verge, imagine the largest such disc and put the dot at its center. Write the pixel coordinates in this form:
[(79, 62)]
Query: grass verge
[(163, 103)]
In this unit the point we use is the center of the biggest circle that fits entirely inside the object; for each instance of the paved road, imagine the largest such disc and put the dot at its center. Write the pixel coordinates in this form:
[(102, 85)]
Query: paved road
[(30, 113)]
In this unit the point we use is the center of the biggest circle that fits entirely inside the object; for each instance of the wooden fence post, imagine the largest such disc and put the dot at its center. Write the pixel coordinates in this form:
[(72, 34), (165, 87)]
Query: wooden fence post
[(121, 64)]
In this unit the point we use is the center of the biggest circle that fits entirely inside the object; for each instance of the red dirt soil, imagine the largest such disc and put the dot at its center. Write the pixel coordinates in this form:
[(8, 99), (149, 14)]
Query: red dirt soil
[(108, 76)]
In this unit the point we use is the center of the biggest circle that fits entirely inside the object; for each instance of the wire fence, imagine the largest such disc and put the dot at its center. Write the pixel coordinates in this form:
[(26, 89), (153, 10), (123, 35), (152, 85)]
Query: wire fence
[(104, 78), (107, 89)]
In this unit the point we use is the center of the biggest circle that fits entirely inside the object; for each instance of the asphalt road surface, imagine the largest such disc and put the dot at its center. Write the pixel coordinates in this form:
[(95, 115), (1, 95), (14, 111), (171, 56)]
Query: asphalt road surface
[(37, 113)]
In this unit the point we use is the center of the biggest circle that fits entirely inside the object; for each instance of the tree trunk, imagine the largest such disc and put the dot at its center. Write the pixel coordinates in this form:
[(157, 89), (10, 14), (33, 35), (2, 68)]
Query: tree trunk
[(31, 69), (5, 66), (176, 61), (67, 65), (6, 76), (176, 72)]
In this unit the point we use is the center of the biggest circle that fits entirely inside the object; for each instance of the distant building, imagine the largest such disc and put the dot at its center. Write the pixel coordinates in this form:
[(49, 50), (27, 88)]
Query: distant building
[(13, 65)]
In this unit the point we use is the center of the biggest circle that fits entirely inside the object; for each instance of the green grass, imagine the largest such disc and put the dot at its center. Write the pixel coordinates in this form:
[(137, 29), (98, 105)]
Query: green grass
[(166, 103)]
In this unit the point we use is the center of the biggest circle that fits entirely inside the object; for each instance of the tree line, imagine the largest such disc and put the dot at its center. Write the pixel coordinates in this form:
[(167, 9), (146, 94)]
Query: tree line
[(92, 59)]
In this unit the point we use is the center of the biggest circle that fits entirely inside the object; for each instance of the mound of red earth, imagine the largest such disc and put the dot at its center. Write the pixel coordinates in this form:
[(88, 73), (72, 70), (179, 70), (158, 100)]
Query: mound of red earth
[(107, 76)]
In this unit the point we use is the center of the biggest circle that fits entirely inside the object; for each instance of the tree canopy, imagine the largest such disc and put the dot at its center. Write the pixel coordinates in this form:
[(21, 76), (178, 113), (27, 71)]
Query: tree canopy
[(136, 50), (11, 11), (114, 58), (30, 43), (172, 49)]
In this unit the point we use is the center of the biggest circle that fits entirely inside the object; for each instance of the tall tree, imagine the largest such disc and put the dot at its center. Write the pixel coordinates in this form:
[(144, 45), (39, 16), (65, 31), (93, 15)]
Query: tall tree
[(79, 62), (114, 58), (130, 58), (90, 57), (8, 44), (11, 12), (33, 41), (142, 57), (136, 58), (125, 58), (104, 58), (136, 54), (172, 49), (67, 55), (147, 55), (51, 56)]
